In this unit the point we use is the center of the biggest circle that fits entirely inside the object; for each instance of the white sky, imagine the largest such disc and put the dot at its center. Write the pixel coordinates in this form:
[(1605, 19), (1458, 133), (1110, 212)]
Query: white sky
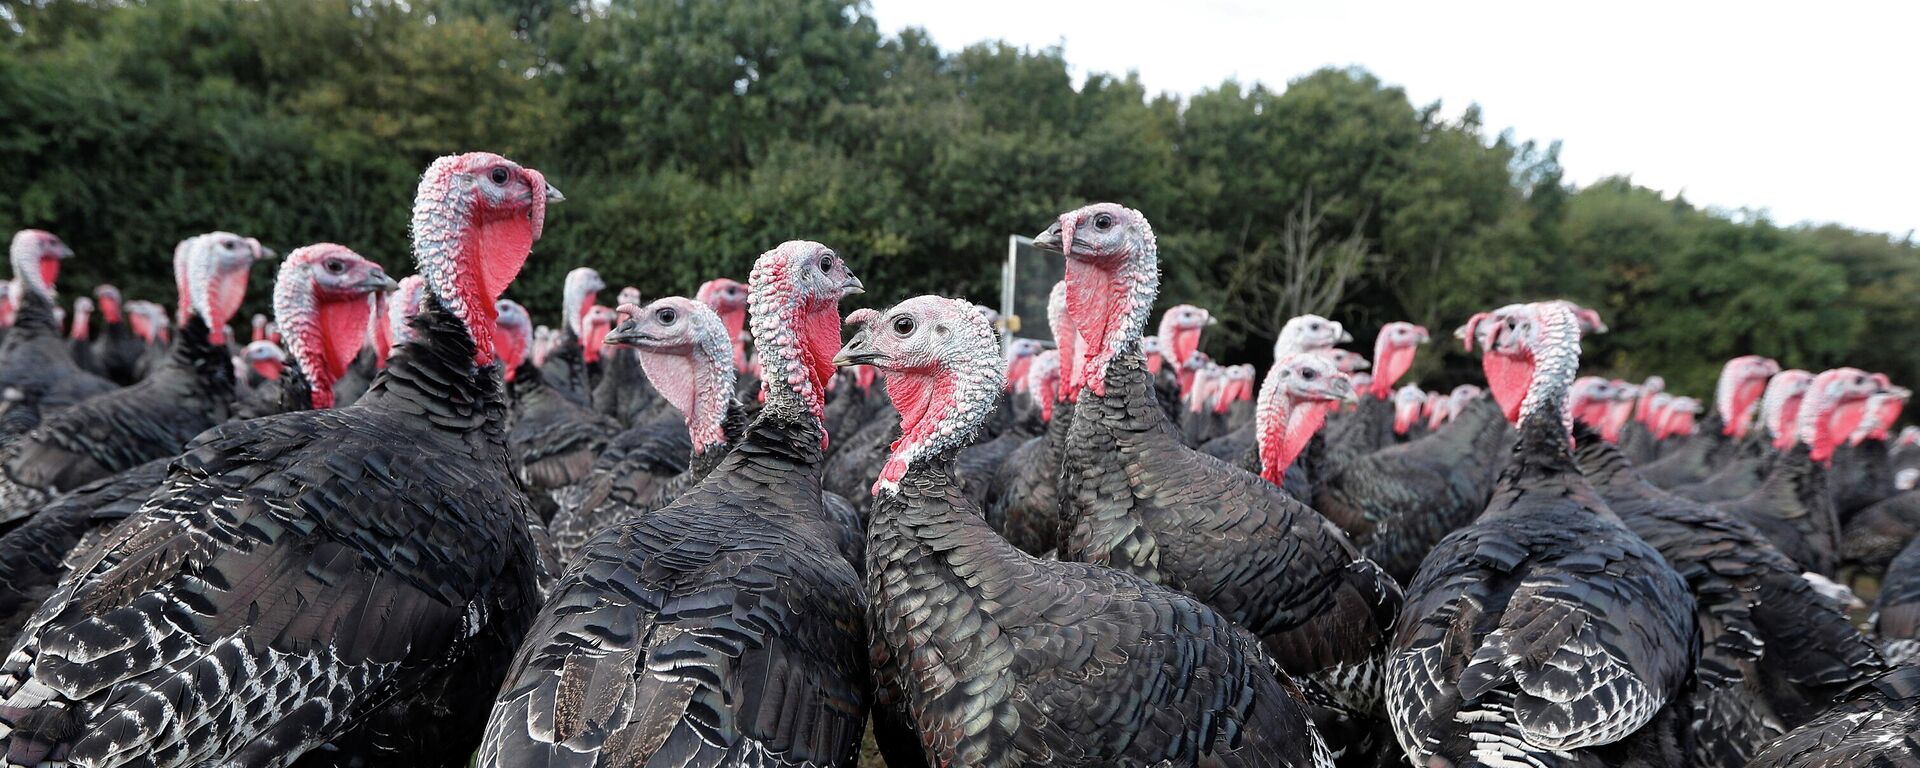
[(1807, 110)]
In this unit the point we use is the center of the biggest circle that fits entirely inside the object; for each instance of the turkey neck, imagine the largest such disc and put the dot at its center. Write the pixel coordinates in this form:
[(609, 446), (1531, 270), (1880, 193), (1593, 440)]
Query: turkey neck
[(195, 366), (433, 376), (1543, 456)]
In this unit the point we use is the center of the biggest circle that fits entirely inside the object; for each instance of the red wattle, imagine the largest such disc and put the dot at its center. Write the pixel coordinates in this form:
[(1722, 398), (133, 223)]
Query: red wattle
[(50, 270)]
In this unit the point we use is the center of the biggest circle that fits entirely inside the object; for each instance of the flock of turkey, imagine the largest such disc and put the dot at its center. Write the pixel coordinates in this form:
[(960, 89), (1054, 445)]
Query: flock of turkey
[(431, 530)]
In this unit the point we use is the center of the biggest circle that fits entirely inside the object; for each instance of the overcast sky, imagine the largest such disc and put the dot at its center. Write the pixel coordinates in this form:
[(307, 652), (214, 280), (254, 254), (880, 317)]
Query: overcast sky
[(1808, 110)]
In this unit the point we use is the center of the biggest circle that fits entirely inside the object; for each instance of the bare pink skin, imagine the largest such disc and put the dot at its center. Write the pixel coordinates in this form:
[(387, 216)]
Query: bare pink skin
[(594, 326), (728, 299), (513, 335), (1654, 385), (1587, 400), (81, 329), (684, 349), (1347, 361), (1406, 408), (1742, 381), (1619, 411), (1830, 410), (491, 211), (1294, 402), (320, 296), (1022, 352), (1393, 354), (1180, 329)]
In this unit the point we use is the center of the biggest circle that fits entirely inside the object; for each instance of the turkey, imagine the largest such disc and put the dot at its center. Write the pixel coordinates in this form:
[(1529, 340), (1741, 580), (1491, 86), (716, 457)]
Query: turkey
[(624, 394), (34, 359), (1373, 426), (1300, 334), (1139, 501), (115, 347), (1545, 633), (283, 592), (566, 369), (724, 628), (1793, 506), (728, 299), (320, 294), (1876, 726), (1636, 437), (1896, 610), (191, 389), (682, 346), (1779, 412), (1027, 510), (1743, 380), (1397, 502), (80, 335), (1862, 473), (556, 433), (262, 362), (1773, 650), (1030, 661)]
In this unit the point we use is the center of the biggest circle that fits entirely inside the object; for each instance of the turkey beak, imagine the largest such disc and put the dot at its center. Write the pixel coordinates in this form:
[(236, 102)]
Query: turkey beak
[(379, 281), (851, 287), (1343, 389), (627, 334), (1211, 320), (266, 254), (554, 196), (858, 351), (63, 251), (1050, 239), (1346, 338)]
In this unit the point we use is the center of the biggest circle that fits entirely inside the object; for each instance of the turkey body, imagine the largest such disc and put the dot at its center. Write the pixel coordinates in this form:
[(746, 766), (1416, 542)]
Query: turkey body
[(557, 437), (724, 628), (1876, 727), (623, 394), (1141, 502), (1046, 663), (1543, 628), (191, 390), (1027, 511), (1794, 510), (622, 482), (36, 359), (34, 555), (117, 351), (1773, 651), (1399, 501), (1896, 611), (1877, 534), (1694, 459), (281, 591)]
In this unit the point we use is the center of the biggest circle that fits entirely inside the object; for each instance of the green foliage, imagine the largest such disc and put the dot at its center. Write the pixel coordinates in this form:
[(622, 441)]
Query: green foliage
[(690, 136)]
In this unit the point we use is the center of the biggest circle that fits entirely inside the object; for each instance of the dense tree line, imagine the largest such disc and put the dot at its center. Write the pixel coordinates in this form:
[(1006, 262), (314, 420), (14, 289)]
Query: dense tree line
[(690, 136)]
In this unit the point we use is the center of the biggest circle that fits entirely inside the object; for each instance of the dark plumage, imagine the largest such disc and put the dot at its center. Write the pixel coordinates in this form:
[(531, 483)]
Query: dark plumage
[(1028, 661), (1546, 624), (1773, 651), (281, 591), (1896, 611), (1139, 501), (725, 627), (1877, 726), (1397, 502), (188, 392), (1793, 508), (557, 438)]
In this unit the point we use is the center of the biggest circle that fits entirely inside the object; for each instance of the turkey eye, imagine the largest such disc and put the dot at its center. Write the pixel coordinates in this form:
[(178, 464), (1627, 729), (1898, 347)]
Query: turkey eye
[(1307, 374), (666, 316), (1103, 221), (334, 266), (903, 325), (500, 176)]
